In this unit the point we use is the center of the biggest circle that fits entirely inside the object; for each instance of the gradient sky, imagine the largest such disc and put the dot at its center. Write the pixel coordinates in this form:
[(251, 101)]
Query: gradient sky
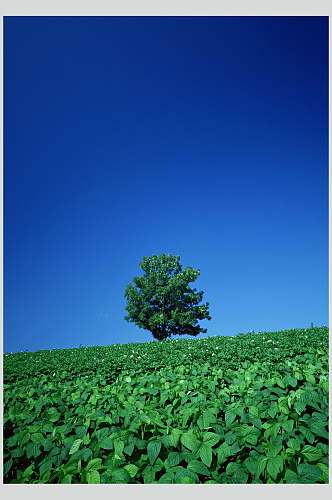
[(204, 137)]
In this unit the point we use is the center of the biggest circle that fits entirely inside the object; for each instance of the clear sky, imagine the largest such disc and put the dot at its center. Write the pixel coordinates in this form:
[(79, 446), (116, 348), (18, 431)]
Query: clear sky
[(204, 137)]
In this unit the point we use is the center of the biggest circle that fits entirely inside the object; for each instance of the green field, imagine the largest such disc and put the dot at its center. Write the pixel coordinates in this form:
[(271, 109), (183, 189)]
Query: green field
[(245, 409)]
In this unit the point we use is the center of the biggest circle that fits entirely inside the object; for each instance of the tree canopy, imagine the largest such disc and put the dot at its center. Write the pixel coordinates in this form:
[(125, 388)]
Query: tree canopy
[(162, 301)]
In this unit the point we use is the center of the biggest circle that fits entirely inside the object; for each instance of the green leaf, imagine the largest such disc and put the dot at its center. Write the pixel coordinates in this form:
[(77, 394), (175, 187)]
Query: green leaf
[(174, 458), (37, 438), (307, 434), (261, 464), (167, 478), (28, 472), (318, 428), (211, 438), (251, 438), (185, 480), (86, 439), (47, 427), (299, 406), (250, 465), (198, 467), (309, 473), (32, 450), (53, 414), (158, 465), (272, 430), (7, 466), (291, 477), (94, 464), (230, 416), (67, 479), (223, 452), (187, 413), (311, 453), (206, 419), (121, 476), (81, 431), (12, 441), (106, 443), (86, 453), (190, 441), (274, 466), (75, 446), (17, 453), (325, 472), (205, 453), (274, 446), (288, 425), (128, 449), (253, 411), (131, 469), (93, 477), (294, 443), (174, 437), (185, 476), (153, 449), (70, 467), (310, 377), (291, 381), (118, 448), (273, 410), (236, 473), (280, 382)]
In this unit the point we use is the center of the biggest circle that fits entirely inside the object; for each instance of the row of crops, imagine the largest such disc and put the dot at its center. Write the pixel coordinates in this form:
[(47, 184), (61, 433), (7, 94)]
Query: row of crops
[(248, 409)]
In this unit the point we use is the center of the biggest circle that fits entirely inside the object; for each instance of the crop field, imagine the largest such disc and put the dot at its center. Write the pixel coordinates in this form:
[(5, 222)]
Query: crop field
[(244, 409)]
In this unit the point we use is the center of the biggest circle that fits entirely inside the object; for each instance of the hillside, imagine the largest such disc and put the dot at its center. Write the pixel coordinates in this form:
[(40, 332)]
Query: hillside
[(246, 409)]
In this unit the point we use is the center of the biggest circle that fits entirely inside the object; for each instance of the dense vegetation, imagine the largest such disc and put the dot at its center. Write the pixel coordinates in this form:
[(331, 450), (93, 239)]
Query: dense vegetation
[(162, 301), (249, 409)]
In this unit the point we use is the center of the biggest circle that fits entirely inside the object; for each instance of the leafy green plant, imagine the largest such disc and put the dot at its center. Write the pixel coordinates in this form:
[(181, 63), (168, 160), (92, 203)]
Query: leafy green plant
[(250, 409)]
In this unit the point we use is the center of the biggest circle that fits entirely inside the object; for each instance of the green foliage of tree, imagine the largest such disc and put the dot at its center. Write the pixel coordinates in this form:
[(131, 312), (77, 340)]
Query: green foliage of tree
[(162, 301)]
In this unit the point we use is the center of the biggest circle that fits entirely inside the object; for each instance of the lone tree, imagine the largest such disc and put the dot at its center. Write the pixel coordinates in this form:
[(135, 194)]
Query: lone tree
[(162, 301)]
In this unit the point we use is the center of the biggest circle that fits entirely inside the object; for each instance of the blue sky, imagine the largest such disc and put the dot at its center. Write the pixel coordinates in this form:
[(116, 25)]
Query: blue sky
[(204, 137)]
